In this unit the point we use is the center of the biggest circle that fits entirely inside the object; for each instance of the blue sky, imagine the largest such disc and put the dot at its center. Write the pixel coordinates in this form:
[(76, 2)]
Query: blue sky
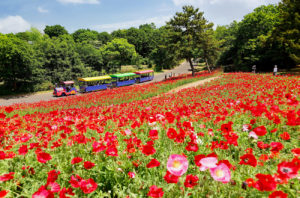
[(109, 15)]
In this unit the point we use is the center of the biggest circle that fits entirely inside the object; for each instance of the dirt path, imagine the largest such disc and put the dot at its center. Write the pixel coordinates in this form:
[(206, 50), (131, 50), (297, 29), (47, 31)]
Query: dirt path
[(46, 96), (194, 84)]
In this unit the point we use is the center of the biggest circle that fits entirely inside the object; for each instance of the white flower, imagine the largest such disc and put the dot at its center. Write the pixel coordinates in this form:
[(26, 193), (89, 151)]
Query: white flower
[(253, 135), (246, 127)]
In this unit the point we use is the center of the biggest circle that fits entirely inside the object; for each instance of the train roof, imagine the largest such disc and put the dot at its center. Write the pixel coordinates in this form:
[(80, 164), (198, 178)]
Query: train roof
[(67, 82), (122, 75), (144, 71), (95, 78)]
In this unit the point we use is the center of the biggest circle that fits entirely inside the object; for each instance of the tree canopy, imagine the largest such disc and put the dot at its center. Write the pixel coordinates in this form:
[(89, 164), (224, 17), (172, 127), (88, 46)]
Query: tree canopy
[(55, 30), (188, 33)]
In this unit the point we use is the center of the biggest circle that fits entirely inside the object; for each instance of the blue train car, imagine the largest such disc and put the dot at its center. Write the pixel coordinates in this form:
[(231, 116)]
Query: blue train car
[(145, 75), (119, 80), (90, 84)]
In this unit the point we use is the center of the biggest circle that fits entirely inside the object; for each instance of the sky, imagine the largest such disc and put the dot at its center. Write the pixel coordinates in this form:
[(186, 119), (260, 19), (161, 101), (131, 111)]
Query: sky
[(109, 15)]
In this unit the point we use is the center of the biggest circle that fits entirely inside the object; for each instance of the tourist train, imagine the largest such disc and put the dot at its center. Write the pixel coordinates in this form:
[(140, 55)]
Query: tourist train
[(97, 83)]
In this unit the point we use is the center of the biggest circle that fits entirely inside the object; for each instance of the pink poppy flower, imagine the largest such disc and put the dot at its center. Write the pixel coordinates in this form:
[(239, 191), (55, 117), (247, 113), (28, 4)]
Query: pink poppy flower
[(221, 173), (253, 135), (208, 162), (177, 164)]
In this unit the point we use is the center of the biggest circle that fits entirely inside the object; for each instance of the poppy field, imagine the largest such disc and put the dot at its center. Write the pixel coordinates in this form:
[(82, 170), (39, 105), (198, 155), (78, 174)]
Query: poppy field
[(236, 136)]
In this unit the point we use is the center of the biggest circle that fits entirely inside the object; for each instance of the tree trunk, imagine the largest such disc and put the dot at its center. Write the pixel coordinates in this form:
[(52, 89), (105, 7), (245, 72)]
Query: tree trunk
[(192, 66), (207, 65)]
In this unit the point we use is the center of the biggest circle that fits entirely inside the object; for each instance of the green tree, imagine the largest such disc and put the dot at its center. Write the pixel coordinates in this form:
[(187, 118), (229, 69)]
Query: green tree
[(189, 28), (118, 52), (17, 62), (60, 59), (90, 56), (85, 35), (286, 34), (55, 30), (104, 37), (250, 44), (164, 55)]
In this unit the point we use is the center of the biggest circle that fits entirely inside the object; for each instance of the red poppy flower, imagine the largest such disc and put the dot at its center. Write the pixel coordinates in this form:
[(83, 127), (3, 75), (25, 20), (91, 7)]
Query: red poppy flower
[(88, 165), (52, 176), (191, 181), (250, 182), (153, 134), (131, 174), (154, 191), (3, 193), (253, 121), (43, 157), (148, 149), (260, 131), (9, 109), (248, 159), (192, 147), (88, 186), (278, 194), (276, 146), (111, 151), (296, 152), (153, 163), (2, 115), (98, 147), (43, 192), (170, 178), (6, 177), (262, 145), (23, 150), (64, 192), (76, 160), (265, 182), (287, 170), (273, 130), (171, 133), (285, 136), (263, 157), (75, 181), (226, 128), (170, 117)]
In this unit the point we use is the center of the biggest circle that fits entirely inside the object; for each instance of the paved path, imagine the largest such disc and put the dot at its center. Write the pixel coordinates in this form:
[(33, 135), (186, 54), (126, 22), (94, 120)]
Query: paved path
[(36, 97), (194, 84)]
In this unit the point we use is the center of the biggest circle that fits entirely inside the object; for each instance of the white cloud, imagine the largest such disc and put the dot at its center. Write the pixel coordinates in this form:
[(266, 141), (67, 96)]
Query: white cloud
[(158, 21), (42, 10), (13, 24), (80, 1)]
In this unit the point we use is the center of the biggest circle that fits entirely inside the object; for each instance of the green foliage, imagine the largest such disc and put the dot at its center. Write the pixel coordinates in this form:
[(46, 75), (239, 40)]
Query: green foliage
[(104, 37), (286, 35), (17, 62), (90, 56), (164, 55), (118, 52), (55, 30), (245, 44), (189, 34), (60, 59), (85, 35)]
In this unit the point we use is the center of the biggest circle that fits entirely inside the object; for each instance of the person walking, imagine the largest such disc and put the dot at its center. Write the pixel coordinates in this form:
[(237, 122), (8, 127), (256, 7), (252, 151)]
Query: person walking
[(253, 68), (275, 70)]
